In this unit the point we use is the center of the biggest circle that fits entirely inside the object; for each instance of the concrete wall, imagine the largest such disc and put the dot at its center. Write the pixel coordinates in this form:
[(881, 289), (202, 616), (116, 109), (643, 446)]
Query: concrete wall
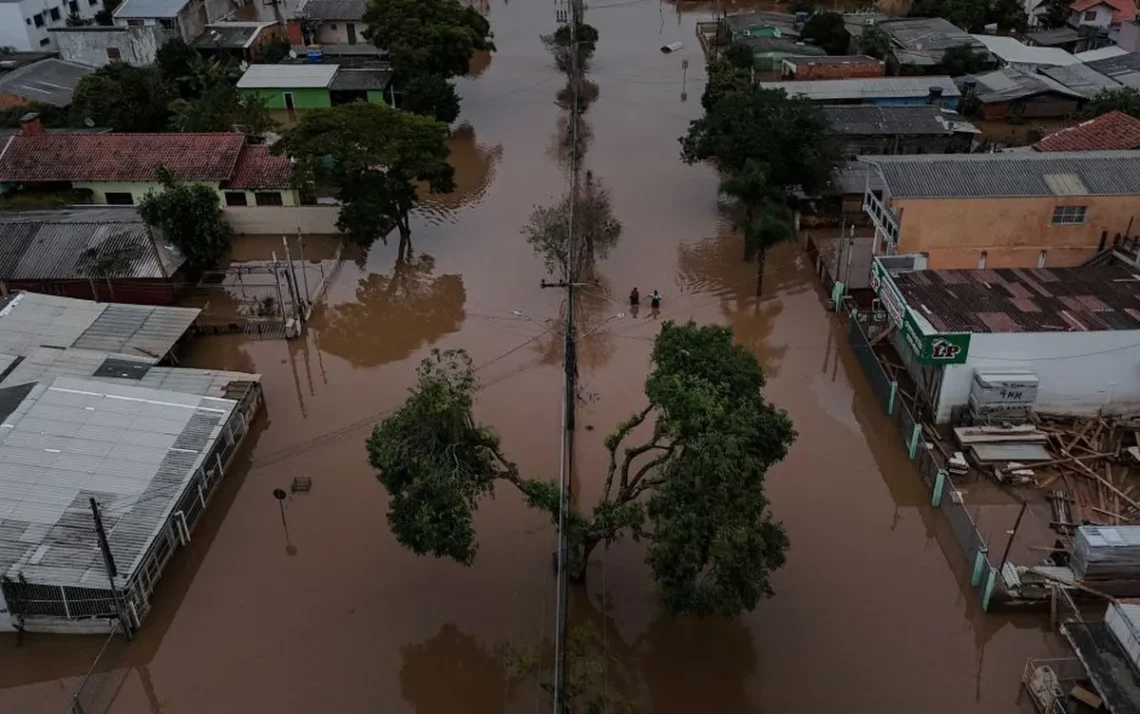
[(18, 28), (139, 189), (1012, 231), (1129, 37), (137, 46), (302, 98), (1103, 16), (803, 69), (1080, 372), (336, 32), (270, 219), (1041, 107), (193, 18)]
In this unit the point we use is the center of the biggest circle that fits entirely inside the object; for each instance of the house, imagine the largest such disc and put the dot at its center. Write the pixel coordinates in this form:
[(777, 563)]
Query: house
[(313, 86), (98, 45), (25, 24), (1013, 95), (1011, 53), (48, 81), (921, 129), (1065, 38), (179, 18), (769, 53), (1102, 13), (1124, 68), (918, 43), (834, 67), (876, 90), (119, 169), (319, 22), (345, 55), (1111, 131), (1081, 79), (92, 409), (761, 23), (1005, 210), (1074, 333), (240, 41), (91, 254)]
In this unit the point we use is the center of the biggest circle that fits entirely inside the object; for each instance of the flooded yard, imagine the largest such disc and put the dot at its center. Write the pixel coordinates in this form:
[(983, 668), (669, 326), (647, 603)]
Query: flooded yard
[(872, 613)]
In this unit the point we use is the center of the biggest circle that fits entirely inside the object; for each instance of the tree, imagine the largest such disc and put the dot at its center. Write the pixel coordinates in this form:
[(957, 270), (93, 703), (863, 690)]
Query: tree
[(724, 78), (106, 15), (969, 15), (764, 222), (1009, 15), (874, 42), (374, 156), (122, 97), (697, 482), (788, 136), (963, 59), (559, 45), (221, 108), (190, 217), (1124, 99), (432, 96), (427, 36), (596, 231), (178, 63), (739, 56), (827, 30), (74, 20), (1056, 13), (275, 50)]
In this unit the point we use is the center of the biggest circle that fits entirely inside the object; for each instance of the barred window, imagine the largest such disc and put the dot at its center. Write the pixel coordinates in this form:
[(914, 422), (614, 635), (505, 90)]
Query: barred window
[(1069, 215)]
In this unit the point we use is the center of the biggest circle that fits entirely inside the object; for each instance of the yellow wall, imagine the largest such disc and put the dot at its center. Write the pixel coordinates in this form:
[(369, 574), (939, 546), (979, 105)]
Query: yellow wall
[(1012, 231), (139, 189)]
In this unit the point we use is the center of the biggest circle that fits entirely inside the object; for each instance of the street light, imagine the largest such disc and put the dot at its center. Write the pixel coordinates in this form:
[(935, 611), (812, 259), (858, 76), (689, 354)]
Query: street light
[(602, 324), (518, 313)]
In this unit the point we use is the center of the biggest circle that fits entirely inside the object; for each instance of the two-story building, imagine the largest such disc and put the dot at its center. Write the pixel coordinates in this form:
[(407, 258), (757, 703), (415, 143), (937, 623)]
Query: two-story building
[(1008, 210), (328, 22), (180, 18), (25, 24)]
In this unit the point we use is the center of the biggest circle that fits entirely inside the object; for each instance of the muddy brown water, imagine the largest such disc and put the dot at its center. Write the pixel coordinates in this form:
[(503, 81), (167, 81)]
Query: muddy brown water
[(870, 613)]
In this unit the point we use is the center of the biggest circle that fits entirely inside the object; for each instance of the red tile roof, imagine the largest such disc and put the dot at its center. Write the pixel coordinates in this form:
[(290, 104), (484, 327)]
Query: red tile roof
[(1122, 10), (1112, 131), (120, 157), (258, 169)]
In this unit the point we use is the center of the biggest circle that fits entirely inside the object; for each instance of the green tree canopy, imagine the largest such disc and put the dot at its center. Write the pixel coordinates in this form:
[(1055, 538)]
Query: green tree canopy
[(694, 489), (788, 136), (427, 36), (122, 97), (963, 59), (1009, 15), (432, 96), (827, 30), (221, 108), (969, 15), (874, 42), (559, 46), (1124, 99), (739, 56), (190, 217), (764, 221), (374, 156), (725, 77), (1056, 13)]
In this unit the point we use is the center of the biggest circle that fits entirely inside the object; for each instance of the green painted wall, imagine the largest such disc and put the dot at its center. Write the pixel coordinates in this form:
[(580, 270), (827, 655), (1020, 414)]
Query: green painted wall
[(376, 97), (139, 189), (302, 98)]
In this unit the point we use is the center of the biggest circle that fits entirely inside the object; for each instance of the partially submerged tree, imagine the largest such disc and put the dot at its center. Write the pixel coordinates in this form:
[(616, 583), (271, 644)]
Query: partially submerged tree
[(724, 79), (596, 230), (764, 221), (1124, 99), (190, 217), (375, 157), (560, 47), (428, 36), (963, 59), (694, 489), (432, 96), (829, 32)]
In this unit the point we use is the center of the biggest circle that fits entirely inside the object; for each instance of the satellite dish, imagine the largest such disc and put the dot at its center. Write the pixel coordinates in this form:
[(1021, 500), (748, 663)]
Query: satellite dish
[(89, 123), (243, 66), (292, 54)]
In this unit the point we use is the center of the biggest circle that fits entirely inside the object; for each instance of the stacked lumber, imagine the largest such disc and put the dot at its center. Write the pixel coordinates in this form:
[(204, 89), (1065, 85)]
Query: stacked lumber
[(1106, 553)]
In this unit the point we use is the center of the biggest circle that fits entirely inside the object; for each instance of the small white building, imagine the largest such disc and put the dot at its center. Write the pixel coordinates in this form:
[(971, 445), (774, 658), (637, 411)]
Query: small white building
[(25, 24), (1014, 53), (1073, 331)]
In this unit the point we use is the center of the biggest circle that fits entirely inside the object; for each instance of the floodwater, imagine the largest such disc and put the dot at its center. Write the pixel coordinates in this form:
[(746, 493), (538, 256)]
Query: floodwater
[(870, 612)]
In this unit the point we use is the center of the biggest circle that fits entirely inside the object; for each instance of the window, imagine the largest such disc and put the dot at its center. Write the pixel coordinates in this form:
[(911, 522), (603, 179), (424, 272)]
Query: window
[(167, 23), (73, 6), (38, 18), (982, 260), (135, 23), (92, 2), (268, 199), (45, 42), (28, 21), (1041, 258), (113, 53), (1090, 15), (1069, 215), (120, 199), (54, 12), (236, 198), (332, 26)]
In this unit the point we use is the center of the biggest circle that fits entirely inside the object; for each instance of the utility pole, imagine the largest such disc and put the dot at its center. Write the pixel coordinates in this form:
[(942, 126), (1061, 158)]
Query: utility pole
[(112, 571)]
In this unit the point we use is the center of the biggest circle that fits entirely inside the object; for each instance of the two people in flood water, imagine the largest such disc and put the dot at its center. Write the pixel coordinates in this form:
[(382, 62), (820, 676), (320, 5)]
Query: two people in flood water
[(635, 302)]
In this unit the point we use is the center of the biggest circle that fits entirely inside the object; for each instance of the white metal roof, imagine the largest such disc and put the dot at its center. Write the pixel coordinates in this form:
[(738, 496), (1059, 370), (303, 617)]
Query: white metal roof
[(1099, 54), (1012, 51), (287, 76)]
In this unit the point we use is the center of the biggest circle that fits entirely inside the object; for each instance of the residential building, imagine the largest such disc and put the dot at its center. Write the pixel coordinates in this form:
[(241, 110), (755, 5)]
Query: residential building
[(877, 90), (98, 45), (321, 22), (769, 53), (182, 18), (239, 41), (1004, 210), (1011, 53), (48, 81), (834, 67), (119, 169), (25, 24), (918, 43), (1123, 68), (1108, 132), (1072, 332), (760, 23), (1102, 13), (1014, 96), (313, 86), (89, 253), (923, 129), (1065, 38), (1081, 78), (345, 55), (90, 411)]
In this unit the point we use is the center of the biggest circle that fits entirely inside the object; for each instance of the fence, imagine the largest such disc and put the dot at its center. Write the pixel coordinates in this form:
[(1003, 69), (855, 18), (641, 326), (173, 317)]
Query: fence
[(254, 220), (1048, 682), (104, 679), (928, 463)]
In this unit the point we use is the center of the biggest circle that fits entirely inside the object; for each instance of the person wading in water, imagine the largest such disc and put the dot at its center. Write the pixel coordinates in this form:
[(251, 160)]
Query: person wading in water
[(634, 298)]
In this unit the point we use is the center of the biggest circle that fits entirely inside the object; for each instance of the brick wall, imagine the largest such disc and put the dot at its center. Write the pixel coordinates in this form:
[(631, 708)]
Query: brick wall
[(835, 70)]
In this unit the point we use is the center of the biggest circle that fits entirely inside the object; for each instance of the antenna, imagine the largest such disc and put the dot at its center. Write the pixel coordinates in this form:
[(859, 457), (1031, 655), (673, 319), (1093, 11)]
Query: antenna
[(292, 54), (89, 123)]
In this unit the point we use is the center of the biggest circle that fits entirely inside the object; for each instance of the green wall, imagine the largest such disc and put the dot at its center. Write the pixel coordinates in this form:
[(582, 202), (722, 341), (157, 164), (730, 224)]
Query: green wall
[(302, 98), (376, 97)]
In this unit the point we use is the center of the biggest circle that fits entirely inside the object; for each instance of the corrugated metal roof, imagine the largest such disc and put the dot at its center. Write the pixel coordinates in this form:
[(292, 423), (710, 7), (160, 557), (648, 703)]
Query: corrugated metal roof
[(1008, 84), (50, 81), (149, 8), (1103, 173), (822, 90), (887, 120), (1100, 53), (287, 76), (230, 35), (1123, 68), (32, 320), (360, 79), (331, 9), (1081, 78), (132, 447), (1010, 50), (923, 40)]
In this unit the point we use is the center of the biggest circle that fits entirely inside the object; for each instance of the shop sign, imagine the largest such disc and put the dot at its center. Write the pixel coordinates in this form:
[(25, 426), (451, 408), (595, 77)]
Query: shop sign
[(938, 348), (889, 295)]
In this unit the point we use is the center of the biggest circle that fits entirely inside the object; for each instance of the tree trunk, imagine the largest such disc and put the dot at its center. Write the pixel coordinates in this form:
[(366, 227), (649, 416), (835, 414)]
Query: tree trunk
[(579, 558), (403, 224), (760, 270)]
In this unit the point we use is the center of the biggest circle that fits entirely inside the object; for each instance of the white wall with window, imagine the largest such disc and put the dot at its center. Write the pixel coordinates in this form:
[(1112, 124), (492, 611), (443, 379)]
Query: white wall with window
[(24, 25), (1098, 15)]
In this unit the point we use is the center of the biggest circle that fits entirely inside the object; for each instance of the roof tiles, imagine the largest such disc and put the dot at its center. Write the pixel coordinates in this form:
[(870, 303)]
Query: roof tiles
[(257, 169), (1115, 130)]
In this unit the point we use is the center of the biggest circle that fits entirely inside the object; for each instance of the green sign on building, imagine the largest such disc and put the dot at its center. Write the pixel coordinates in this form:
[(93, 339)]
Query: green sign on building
[(938, 348)]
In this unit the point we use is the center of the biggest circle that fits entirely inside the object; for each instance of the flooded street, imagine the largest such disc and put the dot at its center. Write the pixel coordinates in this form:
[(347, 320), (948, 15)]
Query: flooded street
[(870, 612)]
